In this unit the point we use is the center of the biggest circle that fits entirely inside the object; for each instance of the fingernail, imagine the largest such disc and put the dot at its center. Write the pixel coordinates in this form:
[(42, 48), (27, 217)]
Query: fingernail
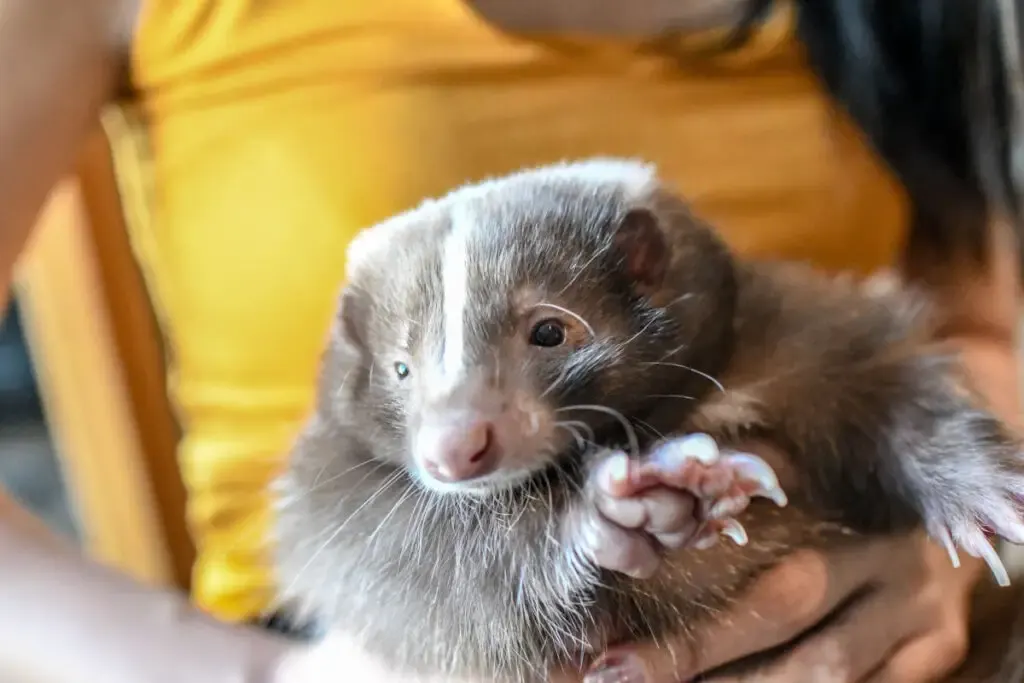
[(618, 669)]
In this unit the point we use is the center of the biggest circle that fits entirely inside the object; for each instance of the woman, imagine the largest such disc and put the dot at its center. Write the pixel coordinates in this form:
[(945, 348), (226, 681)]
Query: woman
[(276, 129)]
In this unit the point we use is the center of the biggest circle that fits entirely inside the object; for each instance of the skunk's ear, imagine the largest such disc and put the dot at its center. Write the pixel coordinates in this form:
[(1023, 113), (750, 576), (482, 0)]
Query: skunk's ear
[(352, 319), (643, 248), (343, 364)]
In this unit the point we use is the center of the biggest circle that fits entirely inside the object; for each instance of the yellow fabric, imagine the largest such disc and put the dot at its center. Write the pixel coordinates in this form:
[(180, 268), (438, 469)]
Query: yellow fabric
[(279, 128)]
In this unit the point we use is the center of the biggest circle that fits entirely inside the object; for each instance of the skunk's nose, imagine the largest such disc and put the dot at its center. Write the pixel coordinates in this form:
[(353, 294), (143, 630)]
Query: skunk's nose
[(458, 451)]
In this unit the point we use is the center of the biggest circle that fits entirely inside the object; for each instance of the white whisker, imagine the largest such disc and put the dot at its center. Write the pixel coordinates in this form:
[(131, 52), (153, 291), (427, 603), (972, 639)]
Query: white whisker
[(693, 370), (634, 444), (582, 425), (672, 352), (647, 325), (558, 380), (317, 484), (580, 272), (576, 435), (341, 385), (651, 429), (405, 496), (577, 316), (395, 476)]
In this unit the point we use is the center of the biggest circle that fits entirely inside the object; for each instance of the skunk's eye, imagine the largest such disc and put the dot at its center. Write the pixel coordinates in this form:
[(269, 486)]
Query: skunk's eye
[(402, 370), (548, 333)]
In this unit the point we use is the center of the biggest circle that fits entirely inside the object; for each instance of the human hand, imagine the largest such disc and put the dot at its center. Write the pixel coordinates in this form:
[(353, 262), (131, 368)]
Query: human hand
[(909, 624)]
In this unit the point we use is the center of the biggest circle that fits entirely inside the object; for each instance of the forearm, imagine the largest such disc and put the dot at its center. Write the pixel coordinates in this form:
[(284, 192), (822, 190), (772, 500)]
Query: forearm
[(66, 620), (995, 370), (982, 305), (63, 619)]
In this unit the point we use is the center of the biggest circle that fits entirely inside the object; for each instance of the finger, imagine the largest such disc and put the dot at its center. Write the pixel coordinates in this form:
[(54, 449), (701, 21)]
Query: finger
[(781, 605), (927, 659), (858, 643)]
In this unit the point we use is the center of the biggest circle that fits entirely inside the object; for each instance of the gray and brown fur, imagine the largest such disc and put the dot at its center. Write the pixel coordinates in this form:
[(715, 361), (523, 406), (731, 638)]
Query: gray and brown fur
[(881, 431)]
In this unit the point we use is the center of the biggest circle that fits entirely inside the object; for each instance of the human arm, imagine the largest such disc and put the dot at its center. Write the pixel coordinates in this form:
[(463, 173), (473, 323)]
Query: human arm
[(64, 619), (61, 617), (59, 63)]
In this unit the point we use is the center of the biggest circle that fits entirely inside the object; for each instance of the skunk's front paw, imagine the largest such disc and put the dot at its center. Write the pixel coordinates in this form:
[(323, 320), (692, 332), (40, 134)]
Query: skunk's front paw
[(685, 492)]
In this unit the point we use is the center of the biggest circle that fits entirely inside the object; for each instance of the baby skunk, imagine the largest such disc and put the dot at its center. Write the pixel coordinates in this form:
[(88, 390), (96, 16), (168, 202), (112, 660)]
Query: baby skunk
[(530, 380)]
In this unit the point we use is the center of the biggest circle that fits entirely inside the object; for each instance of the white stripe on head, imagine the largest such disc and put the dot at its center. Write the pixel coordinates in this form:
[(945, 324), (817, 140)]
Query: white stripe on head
[(455, 279)]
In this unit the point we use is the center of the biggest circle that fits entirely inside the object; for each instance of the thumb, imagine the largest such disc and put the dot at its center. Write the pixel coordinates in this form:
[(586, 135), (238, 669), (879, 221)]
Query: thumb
[(781, 605)]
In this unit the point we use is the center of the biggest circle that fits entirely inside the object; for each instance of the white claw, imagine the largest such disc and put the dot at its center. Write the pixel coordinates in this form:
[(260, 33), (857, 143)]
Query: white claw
[(754, 468), (735, 531), (976, 545), (614, 470), (995, 563), (676, 452), (943, 537), (1006, 522)]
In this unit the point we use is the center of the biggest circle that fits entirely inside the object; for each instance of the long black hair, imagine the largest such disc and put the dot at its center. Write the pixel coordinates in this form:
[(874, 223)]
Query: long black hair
[(930, 83)]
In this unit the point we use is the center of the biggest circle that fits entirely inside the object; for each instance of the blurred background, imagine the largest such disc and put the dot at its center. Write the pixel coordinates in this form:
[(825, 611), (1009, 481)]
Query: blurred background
[(29, 468)]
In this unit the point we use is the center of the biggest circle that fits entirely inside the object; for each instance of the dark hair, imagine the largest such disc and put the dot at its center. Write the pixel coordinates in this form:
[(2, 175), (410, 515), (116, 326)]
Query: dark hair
[(929, 83)]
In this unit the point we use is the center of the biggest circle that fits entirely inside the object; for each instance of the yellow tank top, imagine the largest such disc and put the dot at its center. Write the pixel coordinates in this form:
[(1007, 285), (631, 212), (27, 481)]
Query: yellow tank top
[(276, 129)]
